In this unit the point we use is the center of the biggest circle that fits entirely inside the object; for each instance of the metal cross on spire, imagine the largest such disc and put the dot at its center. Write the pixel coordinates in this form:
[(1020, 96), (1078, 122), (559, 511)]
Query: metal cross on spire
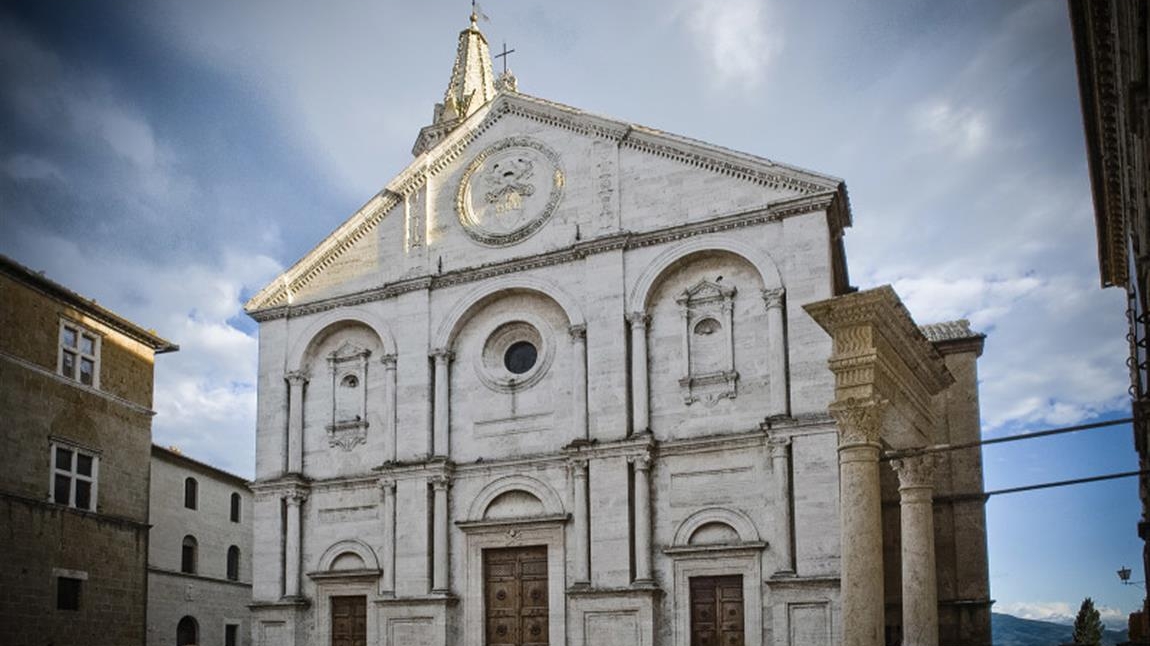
[(504, 54)]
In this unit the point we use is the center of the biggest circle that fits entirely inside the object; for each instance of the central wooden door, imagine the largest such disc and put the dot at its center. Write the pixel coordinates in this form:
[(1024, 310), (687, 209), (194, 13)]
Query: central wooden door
[(349, 621), (515, 593), (717, 611)]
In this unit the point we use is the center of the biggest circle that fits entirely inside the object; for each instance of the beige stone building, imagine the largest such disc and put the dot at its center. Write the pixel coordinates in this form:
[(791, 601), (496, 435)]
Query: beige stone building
[(76, 430), (199, 553), (571, 380)]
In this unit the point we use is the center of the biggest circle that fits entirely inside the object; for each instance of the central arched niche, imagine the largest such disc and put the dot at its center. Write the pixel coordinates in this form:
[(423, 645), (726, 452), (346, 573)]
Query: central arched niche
[(708, 346), (513, 504), (343, 400), (511, 377)]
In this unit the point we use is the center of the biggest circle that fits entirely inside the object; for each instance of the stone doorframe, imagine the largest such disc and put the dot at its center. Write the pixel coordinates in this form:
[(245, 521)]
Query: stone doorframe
[(479, 535), (342, 585)]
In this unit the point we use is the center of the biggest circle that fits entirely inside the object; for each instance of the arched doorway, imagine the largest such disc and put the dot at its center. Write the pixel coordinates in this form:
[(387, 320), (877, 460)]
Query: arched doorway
[(187, 632)]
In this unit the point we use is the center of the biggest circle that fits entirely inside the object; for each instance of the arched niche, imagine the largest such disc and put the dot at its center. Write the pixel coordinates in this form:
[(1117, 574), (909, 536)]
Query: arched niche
[(351, 555), (515, 487), (473, 302), (640, 294), (707, 526), (319, 327)]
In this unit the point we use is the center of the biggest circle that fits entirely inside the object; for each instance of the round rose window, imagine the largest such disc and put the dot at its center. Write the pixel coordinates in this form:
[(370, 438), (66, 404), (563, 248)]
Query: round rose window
[(520, 357)]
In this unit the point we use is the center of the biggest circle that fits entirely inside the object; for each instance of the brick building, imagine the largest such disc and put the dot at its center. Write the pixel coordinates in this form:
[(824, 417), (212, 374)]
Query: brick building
[(76, 431), (199, 553)]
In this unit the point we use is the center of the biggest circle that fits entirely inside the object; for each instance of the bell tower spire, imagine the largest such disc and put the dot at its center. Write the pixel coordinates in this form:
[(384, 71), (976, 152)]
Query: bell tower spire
[(471, 86)]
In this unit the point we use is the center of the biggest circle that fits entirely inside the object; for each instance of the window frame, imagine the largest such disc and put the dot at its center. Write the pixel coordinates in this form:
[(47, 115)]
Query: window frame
[(77, 351), (194, 490), (232, 573), (192, 565), (235, 511), (73, 474)]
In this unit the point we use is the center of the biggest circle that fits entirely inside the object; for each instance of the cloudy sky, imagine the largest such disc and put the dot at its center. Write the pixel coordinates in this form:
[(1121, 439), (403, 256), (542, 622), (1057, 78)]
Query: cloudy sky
[(169, 158)]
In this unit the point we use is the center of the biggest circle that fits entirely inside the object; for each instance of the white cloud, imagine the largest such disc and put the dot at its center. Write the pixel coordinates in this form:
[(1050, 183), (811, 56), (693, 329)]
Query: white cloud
[(736, 37), (962, 130), (1059, 612)]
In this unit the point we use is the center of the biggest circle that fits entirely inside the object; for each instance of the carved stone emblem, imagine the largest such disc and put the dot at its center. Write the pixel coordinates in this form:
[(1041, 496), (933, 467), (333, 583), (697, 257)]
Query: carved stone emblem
[(509, 191)]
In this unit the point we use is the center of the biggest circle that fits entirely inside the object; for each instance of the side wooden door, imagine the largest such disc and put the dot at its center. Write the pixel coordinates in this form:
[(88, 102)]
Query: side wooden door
[(349, 621), (717, 611)]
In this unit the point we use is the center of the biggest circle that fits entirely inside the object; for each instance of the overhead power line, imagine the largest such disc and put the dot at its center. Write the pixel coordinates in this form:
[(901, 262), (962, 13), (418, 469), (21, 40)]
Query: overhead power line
[(1064, 483), (942, 448)]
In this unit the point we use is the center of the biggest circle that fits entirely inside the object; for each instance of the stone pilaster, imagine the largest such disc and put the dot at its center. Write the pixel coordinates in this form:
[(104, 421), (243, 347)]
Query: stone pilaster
[(441, 580), (777, 351), (919, 585), (440, 436), (642, 464), (640, 401), (578, 470), (294, 501), (387, 585), (296, 380), (390, 386), (860, 425), (784, 546), (579, 380)]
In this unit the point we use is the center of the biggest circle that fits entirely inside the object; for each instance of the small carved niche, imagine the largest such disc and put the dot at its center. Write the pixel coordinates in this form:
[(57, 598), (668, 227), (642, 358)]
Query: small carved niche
[(708, 353), (348, 367)]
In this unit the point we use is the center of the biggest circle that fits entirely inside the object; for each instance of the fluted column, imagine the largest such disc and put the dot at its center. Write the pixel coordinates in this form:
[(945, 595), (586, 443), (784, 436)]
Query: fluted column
[(642, 518), (860, 427), (296, 381), (387, 586), (640, 411), (440, 581), (440, 439), (777, 351), (919, 586), (578, 469), (294, 501), (389, 407), (579, 379), (781, 472)]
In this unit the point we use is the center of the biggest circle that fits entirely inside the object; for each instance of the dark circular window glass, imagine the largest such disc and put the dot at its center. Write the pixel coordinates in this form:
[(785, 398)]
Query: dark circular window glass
[(520, 357)]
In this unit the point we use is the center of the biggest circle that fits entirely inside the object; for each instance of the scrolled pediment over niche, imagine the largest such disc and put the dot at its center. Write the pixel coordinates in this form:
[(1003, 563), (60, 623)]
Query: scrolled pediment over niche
[(348, 366), (708, 370)]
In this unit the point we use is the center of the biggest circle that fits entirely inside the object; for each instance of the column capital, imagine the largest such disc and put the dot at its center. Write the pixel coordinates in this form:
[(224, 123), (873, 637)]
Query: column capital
[(387, 485), (578, 332), (297, 377), (779, 446), (439, 483), (915, 472), (388, 361), (860, 421), (577, 467), (638, 319), (295, 498), (774, 297), (442, 355), (641, 462)]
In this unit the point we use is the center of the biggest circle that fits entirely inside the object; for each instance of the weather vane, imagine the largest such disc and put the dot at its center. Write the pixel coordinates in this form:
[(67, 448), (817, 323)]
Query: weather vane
[(477, 13)]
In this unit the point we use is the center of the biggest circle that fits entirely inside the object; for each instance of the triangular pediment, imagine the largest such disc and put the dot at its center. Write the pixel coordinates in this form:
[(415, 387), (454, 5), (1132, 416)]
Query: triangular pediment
[(704, 291), (792, 184)]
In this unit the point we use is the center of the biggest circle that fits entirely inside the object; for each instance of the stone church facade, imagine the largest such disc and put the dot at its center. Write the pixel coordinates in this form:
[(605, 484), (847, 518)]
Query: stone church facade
[(565, 380)]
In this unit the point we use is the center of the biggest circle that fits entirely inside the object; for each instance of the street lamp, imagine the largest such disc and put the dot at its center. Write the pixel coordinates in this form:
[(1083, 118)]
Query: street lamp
[(1124, 575)]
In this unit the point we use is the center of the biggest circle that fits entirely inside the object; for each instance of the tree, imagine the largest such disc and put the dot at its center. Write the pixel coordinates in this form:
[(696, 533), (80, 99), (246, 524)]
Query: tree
[(1088, 625)]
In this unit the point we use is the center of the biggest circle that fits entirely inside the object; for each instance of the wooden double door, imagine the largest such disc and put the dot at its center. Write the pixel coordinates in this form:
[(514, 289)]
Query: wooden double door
[(349, 621), (717, 611), (515, 596)]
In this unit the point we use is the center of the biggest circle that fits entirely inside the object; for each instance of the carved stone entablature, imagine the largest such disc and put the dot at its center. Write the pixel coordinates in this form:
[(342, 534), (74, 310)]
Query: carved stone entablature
[(348, 366), (708, 348), (880, 354), (860, 421)]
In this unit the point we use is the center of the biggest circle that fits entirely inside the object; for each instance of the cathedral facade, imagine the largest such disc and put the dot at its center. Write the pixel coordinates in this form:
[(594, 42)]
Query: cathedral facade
[(571, 380)]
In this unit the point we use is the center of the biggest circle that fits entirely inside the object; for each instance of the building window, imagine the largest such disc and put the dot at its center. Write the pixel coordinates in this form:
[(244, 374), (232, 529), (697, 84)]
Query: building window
[(187, 632), (188, 555), (231, 634), (79, 354), (74, 474), (235, 508), (233, 563), (191, 493), (67, 593)]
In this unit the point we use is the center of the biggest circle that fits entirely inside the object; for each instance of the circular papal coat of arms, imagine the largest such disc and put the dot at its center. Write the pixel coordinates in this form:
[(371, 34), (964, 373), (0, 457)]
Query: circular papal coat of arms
[(509, 191)]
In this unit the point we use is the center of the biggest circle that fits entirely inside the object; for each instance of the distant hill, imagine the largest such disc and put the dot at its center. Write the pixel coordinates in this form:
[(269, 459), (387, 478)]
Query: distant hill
[(1009, 630)]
